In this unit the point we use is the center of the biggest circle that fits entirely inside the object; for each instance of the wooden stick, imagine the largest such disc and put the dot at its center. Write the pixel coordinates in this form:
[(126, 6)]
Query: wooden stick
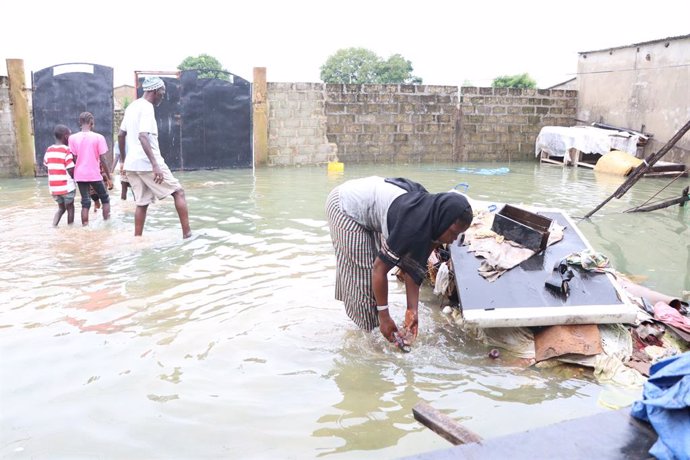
[(649, 162), (643, 168), (664, 204), (443, 425)]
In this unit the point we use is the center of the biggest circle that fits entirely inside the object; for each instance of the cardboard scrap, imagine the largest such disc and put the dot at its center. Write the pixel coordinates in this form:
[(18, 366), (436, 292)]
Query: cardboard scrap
[(640, 361), (580, 339)]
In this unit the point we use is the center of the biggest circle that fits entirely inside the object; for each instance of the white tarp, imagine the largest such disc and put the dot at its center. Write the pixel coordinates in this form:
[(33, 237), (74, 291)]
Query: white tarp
[(558, 140)]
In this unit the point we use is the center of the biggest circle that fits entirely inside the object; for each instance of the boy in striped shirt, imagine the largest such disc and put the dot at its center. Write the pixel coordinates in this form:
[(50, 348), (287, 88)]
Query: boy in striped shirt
[(60, 164)]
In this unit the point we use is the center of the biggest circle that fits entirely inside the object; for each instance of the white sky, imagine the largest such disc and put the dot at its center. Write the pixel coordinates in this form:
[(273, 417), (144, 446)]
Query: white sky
[(448, 42)]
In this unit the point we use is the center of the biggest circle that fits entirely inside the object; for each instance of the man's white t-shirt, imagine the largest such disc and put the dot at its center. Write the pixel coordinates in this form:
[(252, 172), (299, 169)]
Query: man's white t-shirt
[(140, 118)]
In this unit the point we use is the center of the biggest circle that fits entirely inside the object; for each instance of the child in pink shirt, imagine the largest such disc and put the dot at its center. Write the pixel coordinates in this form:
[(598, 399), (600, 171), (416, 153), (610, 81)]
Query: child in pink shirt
[(89, 148)]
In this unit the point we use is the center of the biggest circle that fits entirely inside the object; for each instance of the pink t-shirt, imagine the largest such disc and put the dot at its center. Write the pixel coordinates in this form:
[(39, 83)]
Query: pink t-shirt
[(88, 147)]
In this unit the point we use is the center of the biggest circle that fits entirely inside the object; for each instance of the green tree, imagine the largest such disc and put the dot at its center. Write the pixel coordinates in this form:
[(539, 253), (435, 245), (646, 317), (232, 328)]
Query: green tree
[(396, 69), (522, 80), (360, 65), (208, 66)]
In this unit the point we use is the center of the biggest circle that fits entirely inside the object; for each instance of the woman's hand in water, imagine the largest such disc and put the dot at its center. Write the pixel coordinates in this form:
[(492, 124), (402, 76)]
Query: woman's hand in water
[(411, 325), (387, 326)]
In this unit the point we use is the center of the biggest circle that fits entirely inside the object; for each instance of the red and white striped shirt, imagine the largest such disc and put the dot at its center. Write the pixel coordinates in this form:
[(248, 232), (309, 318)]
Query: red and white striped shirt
[(58, 159)]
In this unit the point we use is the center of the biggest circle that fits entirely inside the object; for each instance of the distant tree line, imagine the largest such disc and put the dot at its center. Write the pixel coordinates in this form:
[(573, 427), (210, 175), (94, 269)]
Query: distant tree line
[(360, 66), (357, 66)]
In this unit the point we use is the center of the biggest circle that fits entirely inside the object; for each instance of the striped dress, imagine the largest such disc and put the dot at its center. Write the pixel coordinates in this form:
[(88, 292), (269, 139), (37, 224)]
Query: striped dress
[(58, 159), (356, 212)]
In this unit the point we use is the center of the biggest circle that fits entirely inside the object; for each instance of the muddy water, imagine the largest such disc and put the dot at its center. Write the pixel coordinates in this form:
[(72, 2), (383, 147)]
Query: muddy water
[(230, 345)]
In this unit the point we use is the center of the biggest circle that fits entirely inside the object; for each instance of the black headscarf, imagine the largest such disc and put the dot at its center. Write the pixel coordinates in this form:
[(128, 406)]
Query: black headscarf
[(406, 184), (415, 220)]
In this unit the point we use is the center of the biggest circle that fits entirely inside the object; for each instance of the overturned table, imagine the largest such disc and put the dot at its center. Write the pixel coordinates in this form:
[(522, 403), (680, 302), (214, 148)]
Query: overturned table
[(519, 296)]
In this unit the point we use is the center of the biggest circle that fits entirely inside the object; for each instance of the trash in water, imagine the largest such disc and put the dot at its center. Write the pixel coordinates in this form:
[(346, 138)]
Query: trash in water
[(485, 171), (401, 343)]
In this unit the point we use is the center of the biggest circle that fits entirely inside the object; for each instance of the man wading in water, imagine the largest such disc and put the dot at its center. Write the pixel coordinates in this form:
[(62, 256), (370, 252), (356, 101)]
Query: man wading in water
[(148, 175)]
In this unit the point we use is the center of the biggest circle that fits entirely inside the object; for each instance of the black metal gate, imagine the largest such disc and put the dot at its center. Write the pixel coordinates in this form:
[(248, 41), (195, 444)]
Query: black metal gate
[(205, 123), (61, 93), (168, 120)]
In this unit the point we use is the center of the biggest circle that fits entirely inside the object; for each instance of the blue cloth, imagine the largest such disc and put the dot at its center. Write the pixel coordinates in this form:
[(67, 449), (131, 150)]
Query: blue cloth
[(666, 405)]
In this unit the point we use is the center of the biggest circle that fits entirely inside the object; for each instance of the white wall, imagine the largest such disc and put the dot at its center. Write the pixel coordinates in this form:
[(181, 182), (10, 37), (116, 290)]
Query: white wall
[(645, 85)]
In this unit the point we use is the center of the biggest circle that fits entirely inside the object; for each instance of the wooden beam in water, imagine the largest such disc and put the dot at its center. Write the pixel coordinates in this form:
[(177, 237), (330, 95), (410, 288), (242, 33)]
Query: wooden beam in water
[(443, 425), (664, 204), (553, 162)]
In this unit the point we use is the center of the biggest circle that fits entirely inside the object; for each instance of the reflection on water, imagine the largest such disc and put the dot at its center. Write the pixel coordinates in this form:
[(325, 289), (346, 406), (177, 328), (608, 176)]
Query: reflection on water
[(230, 344)]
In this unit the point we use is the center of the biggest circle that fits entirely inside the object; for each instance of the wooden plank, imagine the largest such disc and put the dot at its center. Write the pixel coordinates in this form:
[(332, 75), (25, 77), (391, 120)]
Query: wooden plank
[(576, 156), (663, 204), (665, 166), (443, 425), (549, 160), (667, 174)]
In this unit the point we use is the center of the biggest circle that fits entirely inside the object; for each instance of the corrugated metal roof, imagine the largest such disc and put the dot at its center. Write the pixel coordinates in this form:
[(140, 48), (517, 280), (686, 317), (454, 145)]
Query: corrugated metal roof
[(562, 83), (679, 37)]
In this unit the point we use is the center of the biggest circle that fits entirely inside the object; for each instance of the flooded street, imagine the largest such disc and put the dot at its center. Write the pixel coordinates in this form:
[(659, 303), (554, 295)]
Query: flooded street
[(231, 345)]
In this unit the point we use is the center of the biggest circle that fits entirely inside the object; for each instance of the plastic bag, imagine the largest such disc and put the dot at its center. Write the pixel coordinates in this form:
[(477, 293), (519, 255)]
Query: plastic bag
[(442, 279)]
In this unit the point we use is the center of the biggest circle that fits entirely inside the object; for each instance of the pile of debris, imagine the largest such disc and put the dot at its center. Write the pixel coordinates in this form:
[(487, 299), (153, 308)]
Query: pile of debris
[(617, 353)]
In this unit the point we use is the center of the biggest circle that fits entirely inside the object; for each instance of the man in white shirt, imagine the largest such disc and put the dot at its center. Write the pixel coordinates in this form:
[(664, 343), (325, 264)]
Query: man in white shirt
[(148, 175)]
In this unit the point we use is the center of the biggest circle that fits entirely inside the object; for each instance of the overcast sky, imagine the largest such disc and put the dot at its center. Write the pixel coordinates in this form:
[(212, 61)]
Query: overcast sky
[(448, 42)]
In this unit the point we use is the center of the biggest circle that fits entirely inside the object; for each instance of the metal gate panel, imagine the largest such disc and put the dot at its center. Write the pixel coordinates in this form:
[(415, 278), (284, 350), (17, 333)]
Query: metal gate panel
[(204, 123), (61, 93), (216, 122)]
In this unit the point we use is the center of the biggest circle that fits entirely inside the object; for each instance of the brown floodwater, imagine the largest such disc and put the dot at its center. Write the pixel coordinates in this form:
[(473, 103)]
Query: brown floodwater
[(231, 345)]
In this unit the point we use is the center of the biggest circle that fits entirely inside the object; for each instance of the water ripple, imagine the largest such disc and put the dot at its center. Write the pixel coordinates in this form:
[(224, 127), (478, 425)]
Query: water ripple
[(182, 341)]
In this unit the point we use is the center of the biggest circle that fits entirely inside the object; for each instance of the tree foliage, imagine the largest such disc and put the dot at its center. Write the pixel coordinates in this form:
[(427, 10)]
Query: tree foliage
[(360, 66), (522, 80), (207, 66)]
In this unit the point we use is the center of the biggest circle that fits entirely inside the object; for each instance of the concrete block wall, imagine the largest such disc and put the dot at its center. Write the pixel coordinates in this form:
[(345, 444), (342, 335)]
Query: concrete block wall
[(499, 124), (392, 123), (8, 142), (312, 123), (297, 125)]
